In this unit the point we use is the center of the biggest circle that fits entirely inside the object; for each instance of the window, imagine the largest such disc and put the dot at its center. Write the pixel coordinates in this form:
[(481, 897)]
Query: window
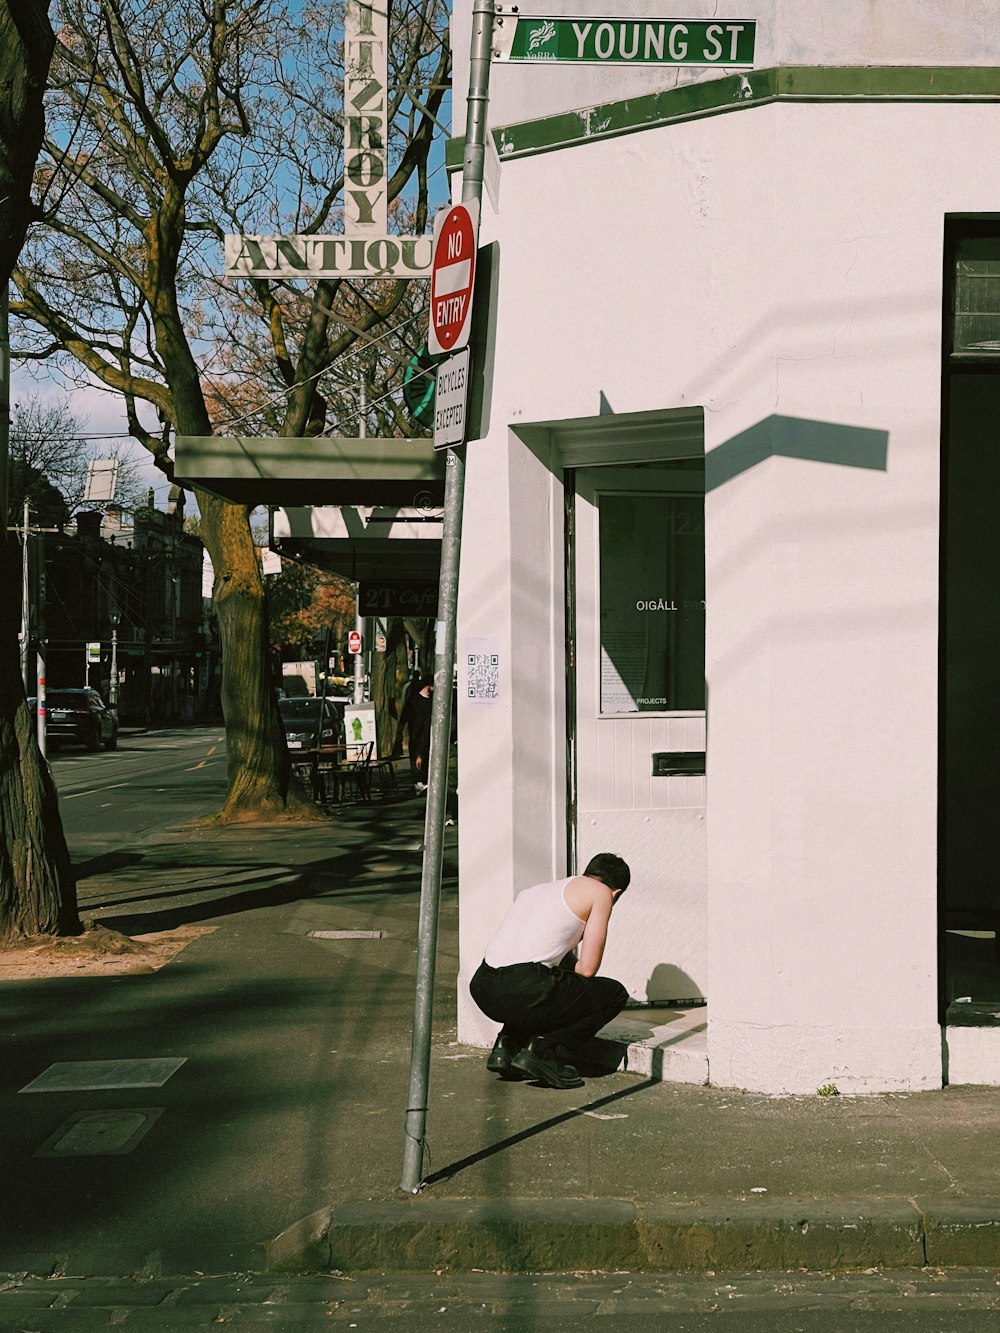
[(652, 603), (976, 314)]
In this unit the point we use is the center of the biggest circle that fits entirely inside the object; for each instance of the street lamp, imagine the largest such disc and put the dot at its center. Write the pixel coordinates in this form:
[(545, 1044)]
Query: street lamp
[(116, 616)]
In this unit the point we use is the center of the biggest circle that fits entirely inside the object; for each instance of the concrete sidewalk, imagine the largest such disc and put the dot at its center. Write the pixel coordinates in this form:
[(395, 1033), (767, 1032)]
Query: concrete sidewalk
[(258, 1123)]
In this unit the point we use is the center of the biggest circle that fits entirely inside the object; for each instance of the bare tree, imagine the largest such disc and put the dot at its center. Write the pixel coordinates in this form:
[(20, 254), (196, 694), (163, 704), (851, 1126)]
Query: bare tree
[(172, 121), (37, 890), (48, 445)]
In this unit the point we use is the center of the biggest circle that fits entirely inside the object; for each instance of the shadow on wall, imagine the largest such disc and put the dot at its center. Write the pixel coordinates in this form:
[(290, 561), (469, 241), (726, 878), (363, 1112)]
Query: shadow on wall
[(667, 983), (797, 437)]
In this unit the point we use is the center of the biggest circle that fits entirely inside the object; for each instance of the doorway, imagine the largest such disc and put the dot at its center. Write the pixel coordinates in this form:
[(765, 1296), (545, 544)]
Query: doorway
[(636, 713), (969, 777)]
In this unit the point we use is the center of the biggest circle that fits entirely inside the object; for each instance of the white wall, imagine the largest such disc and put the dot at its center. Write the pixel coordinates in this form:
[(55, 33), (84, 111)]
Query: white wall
[(789, 32), (823, 628), (781, 263), (512, 751)]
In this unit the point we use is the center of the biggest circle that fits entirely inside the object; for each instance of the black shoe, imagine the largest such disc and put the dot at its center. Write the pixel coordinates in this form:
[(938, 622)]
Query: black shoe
[(504, 1049), (536, 1061)]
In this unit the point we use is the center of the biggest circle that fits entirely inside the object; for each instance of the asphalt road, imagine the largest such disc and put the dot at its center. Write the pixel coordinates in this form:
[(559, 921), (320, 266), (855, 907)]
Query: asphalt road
[(154, 780)]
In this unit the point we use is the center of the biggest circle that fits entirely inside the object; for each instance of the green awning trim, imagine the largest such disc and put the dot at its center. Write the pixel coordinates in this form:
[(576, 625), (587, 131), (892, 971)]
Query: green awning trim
[(740, 92)]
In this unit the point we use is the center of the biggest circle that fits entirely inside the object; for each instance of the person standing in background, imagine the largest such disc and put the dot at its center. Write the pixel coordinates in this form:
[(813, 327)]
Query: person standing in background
[(417, 718)]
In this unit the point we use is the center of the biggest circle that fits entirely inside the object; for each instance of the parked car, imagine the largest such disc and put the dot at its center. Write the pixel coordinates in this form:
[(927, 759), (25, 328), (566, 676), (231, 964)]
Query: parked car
[(312, 722), (78, 717)]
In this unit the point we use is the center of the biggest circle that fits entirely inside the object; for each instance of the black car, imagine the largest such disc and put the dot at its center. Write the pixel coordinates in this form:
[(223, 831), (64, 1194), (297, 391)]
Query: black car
[(78, 717), (301, 720)]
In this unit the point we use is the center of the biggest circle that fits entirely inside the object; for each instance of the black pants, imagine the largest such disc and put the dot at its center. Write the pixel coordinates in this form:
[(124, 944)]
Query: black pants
[(532, 1000)]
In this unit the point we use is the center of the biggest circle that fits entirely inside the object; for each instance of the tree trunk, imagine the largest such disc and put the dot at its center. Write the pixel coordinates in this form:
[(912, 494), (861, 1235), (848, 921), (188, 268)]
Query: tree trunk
[(259, 766), (37, 889), (26, 45), (389, 673)]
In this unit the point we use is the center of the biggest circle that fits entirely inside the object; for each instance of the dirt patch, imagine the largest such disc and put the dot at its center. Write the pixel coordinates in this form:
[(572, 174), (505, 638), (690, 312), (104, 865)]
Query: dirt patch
[(97, 952)]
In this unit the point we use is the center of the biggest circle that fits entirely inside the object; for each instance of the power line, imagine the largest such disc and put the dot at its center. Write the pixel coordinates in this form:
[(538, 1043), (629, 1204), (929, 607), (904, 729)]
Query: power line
[(352, 352)]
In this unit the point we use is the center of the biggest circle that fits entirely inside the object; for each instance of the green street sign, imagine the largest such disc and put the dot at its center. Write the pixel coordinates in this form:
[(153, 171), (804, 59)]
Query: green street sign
[(419, 384), (596, 41)]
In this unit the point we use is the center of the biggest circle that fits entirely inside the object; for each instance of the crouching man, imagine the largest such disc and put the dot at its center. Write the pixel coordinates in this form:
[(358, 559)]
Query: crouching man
[(548, 1011)]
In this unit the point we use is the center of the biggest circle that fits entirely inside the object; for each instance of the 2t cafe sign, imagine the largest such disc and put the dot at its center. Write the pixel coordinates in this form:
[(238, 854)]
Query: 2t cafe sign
[(365, 250), (597, 41)]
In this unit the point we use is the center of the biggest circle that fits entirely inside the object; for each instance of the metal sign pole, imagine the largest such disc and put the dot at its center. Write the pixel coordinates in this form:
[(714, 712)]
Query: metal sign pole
[(444, 661), (42, 714), (4, 408), (25, 596)]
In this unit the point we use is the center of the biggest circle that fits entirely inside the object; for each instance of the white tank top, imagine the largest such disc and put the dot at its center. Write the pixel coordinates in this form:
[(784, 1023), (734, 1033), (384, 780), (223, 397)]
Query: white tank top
[(539, 928)]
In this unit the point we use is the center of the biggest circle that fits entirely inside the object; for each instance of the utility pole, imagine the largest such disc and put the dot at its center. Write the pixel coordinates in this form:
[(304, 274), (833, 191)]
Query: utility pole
[(25, 597), (4, 406), (359, 620), (41, 707), (444, 659), (113, 681)]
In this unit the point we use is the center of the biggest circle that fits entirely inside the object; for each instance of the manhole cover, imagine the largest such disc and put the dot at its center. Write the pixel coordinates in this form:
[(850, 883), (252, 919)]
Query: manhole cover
[(100, 1133)]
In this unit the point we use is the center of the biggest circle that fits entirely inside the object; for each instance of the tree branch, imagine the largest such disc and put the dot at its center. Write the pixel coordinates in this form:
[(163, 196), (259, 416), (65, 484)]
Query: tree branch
[(33, 306)]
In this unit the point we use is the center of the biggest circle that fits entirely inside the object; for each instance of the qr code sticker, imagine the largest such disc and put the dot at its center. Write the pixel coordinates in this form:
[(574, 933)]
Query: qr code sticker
[(483, 676)]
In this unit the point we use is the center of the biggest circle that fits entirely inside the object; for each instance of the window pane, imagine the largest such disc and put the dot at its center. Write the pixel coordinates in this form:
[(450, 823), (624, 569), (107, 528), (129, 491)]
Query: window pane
[(977, 295), (652, 605)]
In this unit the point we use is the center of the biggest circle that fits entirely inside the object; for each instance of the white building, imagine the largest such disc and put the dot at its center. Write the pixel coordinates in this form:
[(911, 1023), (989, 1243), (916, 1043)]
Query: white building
[(735, 376)]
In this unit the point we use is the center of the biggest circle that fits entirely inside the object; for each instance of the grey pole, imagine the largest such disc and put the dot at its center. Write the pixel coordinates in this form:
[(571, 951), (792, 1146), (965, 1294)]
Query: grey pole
[(113, 680), (359, 662), (359, 619), (444, 661), (4, 406), (42, 713), (25, 597)]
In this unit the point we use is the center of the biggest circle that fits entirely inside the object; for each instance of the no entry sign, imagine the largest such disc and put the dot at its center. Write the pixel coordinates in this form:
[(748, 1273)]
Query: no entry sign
[(453, 272), (354, 642)]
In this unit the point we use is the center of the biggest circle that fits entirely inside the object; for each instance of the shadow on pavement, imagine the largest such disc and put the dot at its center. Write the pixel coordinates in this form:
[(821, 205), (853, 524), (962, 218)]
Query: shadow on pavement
[(294, 1048), (198, 878), (106, 862), (449, 1172), (257, 1115)]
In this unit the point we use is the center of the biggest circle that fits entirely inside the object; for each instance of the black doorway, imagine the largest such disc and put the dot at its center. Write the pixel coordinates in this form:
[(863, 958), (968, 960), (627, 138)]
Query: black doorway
[(969, 790)]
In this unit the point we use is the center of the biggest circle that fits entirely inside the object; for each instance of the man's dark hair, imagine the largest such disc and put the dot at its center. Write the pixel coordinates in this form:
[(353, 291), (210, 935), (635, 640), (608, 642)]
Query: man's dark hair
[(610, 869)]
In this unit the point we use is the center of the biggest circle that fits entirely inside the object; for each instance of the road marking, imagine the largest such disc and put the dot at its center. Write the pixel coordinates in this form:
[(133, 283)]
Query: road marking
[(114, 786), (92, 791)]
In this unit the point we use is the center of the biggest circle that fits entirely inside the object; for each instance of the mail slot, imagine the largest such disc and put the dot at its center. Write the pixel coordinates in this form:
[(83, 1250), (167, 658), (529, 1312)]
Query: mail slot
[(679, 764)]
